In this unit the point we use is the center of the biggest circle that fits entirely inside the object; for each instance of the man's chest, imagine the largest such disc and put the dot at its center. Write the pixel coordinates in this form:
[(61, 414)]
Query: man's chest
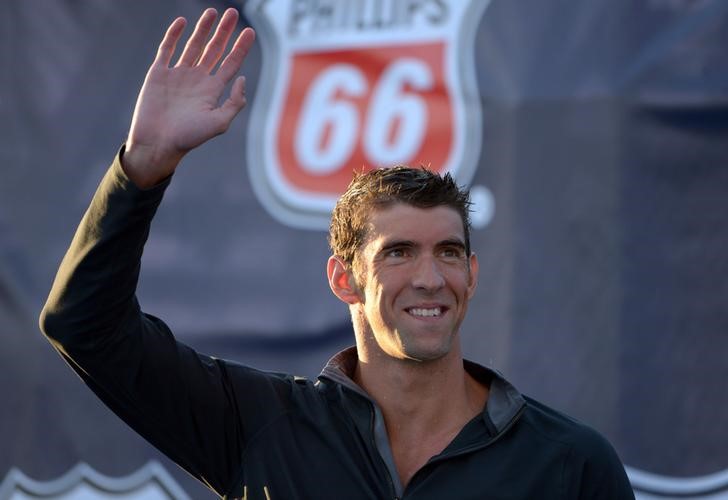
[(326, 460)]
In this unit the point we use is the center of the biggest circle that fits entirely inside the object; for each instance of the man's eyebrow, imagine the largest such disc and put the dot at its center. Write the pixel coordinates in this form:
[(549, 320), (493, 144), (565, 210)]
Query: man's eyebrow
[(452, 242), (392, 244), (388, 245)]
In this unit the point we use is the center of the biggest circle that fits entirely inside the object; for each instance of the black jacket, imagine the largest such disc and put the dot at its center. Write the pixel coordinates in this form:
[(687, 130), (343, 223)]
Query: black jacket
[(247, 433)]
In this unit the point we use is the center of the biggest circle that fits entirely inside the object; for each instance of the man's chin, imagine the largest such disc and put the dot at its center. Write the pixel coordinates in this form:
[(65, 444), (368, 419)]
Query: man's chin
[(425, 354)]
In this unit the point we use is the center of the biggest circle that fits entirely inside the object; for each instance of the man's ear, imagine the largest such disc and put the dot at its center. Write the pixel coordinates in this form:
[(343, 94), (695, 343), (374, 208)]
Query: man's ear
[(341, 280), (473, 261)]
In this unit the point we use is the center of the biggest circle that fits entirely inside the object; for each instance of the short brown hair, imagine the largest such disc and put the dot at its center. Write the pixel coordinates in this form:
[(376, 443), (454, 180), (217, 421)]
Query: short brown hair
[(380, 188)]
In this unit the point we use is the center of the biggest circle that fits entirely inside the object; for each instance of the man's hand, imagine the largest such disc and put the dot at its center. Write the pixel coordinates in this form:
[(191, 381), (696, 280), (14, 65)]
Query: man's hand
[(178, 108)]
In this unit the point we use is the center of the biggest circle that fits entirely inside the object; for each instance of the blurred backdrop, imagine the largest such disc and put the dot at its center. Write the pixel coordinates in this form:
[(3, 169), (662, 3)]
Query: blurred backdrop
[(594, 137)]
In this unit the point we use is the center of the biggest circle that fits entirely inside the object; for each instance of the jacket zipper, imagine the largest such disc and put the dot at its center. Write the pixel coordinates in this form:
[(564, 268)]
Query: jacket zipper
[(372, 414), (469, 449)]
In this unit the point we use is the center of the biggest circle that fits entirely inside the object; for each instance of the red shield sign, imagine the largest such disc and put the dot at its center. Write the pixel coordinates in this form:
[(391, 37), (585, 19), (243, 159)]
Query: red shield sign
[(346, 89)]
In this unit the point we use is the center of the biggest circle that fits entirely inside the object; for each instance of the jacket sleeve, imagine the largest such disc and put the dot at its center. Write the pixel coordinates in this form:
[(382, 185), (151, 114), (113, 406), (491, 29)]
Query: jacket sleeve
[(183, 402)]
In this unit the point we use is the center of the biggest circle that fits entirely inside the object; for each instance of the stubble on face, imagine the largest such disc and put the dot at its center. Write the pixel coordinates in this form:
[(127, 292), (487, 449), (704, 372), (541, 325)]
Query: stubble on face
[(395, 318)]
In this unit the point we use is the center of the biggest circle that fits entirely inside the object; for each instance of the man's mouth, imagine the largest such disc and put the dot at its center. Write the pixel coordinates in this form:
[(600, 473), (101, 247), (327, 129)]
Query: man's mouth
[(425, 312)]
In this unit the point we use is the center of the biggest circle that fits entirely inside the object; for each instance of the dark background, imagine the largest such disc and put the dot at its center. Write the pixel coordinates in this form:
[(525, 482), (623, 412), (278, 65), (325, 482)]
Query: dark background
[(604, 271)]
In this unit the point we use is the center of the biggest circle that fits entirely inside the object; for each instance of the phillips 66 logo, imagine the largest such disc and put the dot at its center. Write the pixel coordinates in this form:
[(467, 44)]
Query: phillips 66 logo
[(357, 84)]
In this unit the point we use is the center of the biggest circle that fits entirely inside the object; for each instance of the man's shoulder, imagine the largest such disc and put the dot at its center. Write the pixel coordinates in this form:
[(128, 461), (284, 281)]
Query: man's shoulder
[(243, 374), (591, 464), (580, 439)]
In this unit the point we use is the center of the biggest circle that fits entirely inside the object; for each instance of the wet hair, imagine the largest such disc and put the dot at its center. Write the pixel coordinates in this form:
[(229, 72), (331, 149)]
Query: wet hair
[(380, 188)]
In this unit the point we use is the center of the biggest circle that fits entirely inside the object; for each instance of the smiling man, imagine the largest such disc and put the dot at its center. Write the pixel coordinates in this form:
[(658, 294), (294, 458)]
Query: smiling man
[(399, 415), (402, 262)]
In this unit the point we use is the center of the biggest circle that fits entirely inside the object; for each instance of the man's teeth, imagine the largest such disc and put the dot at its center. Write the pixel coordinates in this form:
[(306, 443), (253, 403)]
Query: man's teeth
[(420, 311)]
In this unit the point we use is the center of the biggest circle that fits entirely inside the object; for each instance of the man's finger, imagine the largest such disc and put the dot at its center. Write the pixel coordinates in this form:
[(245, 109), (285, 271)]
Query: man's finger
[(194, 45), (234, 60), (233, 104), (169, 42), (216, 46)]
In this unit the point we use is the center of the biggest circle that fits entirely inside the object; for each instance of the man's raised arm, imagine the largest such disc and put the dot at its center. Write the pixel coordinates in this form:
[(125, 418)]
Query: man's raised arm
[(181, 401)]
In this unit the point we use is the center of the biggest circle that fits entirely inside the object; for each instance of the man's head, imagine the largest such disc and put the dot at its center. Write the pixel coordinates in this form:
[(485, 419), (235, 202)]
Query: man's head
[(402, 262), (381, 188)]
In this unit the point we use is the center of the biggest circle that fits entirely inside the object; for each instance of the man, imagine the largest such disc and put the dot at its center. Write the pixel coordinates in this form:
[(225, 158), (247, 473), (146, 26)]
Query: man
[(401, 415)]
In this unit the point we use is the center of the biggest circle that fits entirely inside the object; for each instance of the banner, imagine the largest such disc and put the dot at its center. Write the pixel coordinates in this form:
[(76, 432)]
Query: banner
[(592, 136)]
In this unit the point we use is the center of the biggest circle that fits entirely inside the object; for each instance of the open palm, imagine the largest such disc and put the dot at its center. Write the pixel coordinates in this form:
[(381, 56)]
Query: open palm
[(179, 107)]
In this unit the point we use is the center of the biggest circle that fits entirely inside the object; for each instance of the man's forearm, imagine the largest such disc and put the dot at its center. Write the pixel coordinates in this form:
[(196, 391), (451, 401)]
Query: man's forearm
[(96, 282)]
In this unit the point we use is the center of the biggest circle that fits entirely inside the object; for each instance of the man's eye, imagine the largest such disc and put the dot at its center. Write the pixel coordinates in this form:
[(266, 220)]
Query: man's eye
[(452, 253), (396, 252)]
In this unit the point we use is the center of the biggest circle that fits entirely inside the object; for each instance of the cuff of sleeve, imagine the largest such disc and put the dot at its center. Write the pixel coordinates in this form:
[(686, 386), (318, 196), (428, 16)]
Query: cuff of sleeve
[(123, 181)]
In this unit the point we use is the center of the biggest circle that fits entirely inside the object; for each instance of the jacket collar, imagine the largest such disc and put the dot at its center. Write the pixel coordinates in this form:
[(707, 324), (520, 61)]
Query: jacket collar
[(504, 403)]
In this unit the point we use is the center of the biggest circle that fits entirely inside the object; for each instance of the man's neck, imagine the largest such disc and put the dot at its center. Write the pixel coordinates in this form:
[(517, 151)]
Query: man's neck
[(424, 404)]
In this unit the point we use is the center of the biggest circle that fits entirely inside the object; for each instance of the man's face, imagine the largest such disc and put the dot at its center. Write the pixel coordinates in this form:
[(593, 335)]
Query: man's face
[(414, 280)]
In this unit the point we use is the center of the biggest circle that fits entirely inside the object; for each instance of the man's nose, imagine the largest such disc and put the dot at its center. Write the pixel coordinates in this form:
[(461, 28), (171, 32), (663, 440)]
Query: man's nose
[(427, 274)]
